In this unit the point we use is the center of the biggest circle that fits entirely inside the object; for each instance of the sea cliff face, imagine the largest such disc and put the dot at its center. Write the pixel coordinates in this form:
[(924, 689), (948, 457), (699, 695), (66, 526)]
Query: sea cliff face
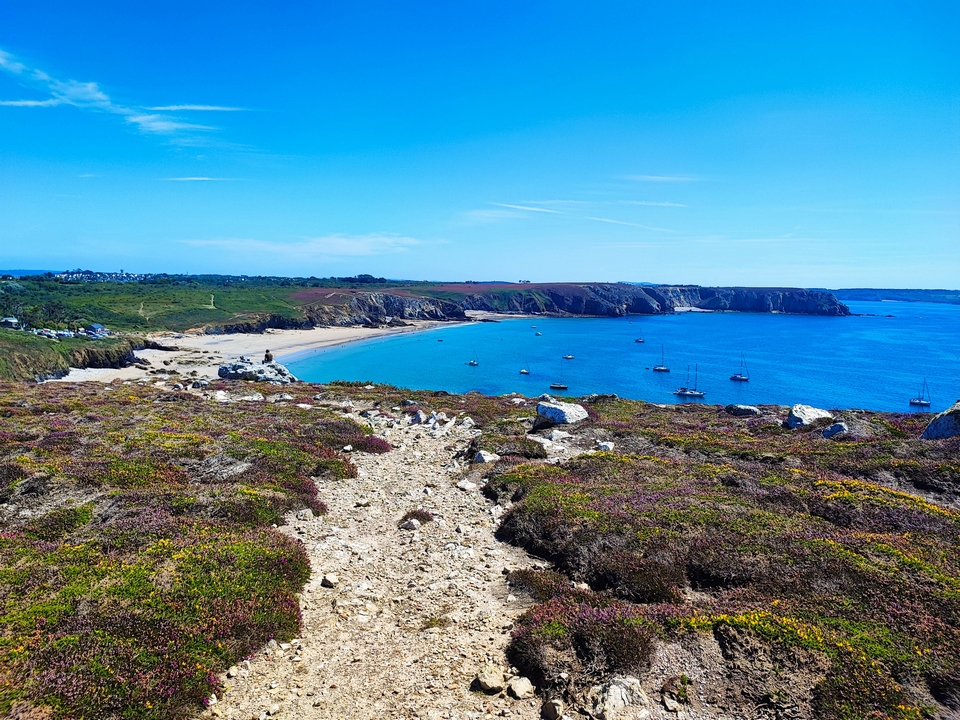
[(595, 299), (615, 300)]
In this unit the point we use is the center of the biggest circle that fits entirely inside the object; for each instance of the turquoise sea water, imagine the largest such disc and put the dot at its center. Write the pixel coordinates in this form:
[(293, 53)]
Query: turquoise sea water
[(870, 361)]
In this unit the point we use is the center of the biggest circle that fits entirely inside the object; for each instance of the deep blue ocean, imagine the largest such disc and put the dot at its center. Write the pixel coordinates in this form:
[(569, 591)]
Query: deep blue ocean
[(867, 361)]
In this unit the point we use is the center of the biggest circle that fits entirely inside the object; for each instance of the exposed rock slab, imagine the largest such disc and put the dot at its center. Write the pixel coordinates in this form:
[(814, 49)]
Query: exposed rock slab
[(805, 415), (272, 372), (554, 412), (944, 425)]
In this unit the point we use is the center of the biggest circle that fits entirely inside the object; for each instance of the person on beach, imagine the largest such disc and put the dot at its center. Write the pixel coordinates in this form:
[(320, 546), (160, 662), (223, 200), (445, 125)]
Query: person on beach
[(267, 357)]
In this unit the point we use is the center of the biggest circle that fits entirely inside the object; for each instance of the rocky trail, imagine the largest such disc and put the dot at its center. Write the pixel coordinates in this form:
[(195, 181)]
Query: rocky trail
[(398, 622)]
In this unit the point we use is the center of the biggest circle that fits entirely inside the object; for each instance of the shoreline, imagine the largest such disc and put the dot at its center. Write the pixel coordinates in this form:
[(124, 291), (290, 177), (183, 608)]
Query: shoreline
[(199, 356)]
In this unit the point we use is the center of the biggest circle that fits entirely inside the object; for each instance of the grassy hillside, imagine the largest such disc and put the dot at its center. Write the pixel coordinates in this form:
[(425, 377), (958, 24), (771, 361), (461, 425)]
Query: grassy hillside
[(137, 558), (824, 582), (24, 356)]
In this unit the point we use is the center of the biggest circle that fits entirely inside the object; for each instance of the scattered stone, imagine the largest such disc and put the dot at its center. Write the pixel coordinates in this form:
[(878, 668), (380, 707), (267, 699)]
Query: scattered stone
[(556, 435), (617, 694), (742, 410), (274, 710), (944, 425), (835, 430), (520, 688), (490, 678), (486, 457), (466, 485), (411, 524), (467, 423), (560, 413), (305, 515), (552, 709), (233, 671), (265, 372), (804, 415), (330, 580), (605, 446)]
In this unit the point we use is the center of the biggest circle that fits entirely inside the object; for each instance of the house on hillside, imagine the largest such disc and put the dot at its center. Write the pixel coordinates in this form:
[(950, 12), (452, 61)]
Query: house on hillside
[(96, 329), (10, 322)]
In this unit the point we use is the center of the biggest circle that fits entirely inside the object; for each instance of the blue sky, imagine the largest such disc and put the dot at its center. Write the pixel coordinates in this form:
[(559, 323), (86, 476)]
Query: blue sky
[(714, 143)]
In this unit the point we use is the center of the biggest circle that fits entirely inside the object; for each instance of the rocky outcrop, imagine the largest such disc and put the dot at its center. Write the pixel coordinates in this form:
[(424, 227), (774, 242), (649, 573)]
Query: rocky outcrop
[(258, 372), (552, 412), (742, 410), (617, 299), (944, 425), (836, 430), (368, 309), (805, 415)]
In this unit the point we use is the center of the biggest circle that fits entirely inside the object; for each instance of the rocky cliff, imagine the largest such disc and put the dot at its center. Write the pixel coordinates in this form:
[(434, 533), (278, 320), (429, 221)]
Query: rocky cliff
[(594, 299), (374, 308), (614, 300)]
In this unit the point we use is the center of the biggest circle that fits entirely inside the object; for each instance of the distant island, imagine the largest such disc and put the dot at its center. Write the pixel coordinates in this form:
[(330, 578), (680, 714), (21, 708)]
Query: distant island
[(951, 297)]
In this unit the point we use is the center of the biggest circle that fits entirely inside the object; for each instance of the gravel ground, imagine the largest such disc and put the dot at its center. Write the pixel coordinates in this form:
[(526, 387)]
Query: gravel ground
[(397, 622)]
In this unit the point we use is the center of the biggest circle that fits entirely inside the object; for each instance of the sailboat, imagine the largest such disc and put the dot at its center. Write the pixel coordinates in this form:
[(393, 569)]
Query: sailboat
[(474, 362), (559, 385), (923, 399), (661, 367), (568, 357), (744, 374), (639, 340), (685, 391)]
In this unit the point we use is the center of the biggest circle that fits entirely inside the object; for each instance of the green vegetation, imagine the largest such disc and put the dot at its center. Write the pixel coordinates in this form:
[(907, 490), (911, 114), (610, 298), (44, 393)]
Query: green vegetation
[(128, 602), (724, 527), (24, 356)]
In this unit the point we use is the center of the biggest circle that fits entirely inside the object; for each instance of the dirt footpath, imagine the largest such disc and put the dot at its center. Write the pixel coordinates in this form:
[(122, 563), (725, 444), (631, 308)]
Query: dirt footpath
[(398, 622)]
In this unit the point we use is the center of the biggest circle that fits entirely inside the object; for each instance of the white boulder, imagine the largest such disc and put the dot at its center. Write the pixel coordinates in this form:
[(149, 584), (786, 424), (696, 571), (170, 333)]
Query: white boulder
[(620, 692), (560, 413), (485, 457), (804, 415)]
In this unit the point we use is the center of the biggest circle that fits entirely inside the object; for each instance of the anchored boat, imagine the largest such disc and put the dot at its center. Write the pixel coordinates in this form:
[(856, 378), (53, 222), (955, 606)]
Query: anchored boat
[(661, 367), (685, 391), (923, 399)]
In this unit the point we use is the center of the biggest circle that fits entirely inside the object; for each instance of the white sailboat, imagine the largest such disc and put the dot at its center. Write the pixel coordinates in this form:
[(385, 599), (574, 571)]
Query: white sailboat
[(685, 391), (923, 399), (661, 367), (744, 374)]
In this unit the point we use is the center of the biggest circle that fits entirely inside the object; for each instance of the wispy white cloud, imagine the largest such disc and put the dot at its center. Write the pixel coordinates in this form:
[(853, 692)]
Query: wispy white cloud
[(197, 178), (49, 102), (198, 108), (89, 175), (9, 64), (660, 178), (630, 224), (312, 248), (163, 125), (89, 96), (654, 203), (528, 208)]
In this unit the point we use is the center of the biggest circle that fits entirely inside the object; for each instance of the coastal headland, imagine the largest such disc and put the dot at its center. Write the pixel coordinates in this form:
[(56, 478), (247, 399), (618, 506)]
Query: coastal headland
[(247, 550), (321, 312)]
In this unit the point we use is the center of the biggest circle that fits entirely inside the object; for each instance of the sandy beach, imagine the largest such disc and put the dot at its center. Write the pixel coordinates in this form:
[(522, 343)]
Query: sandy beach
[(199, 355)]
